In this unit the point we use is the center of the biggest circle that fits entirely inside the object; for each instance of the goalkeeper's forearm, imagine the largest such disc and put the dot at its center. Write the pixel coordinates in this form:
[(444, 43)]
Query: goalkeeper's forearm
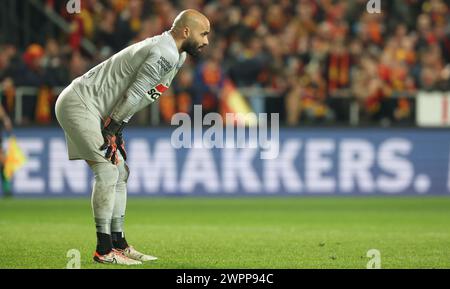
[(125, 109)]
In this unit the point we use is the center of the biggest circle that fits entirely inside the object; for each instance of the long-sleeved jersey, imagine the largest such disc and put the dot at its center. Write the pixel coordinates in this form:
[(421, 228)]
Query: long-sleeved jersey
[(131, 79)]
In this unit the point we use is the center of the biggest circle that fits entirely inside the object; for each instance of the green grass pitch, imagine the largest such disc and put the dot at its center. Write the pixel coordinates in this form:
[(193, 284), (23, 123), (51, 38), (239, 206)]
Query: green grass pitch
[(269, 232)]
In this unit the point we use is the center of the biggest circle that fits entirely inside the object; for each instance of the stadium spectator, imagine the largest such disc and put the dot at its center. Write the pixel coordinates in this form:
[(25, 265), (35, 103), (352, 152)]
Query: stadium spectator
[(311, 57)]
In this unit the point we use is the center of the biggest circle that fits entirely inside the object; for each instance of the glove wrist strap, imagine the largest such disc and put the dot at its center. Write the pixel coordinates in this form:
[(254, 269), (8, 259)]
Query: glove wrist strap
[(112, 126), (121, 127)]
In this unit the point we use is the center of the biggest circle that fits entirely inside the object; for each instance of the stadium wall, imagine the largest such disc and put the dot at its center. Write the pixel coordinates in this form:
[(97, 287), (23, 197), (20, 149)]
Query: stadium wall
[(333, 161)]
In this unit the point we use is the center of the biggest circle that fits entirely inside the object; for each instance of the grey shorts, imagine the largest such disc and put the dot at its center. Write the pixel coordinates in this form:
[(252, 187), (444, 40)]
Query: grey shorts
[(82, 128)]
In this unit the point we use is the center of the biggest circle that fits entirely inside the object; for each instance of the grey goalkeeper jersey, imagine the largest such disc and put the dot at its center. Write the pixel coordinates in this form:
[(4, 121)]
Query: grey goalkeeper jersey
[(131, 79)]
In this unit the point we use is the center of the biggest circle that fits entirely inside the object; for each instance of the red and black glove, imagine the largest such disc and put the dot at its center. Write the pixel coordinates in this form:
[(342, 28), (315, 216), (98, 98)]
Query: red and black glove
[(120, 142), (109, 131)]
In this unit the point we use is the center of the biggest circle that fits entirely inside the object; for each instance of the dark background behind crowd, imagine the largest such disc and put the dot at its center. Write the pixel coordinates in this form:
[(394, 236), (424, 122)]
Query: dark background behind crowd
[(311, 61)]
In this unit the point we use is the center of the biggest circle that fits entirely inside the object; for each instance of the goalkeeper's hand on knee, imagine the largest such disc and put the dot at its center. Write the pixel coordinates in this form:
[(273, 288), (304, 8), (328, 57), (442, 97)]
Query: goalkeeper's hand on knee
[(120, 141), (109, 131)]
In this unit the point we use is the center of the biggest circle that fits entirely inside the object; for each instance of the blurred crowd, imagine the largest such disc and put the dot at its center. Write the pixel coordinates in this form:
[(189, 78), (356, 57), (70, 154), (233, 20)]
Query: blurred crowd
[(308, 60)]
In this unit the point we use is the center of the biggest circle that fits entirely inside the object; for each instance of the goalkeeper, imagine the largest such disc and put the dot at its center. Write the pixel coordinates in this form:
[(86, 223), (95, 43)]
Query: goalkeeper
[(94, 109)]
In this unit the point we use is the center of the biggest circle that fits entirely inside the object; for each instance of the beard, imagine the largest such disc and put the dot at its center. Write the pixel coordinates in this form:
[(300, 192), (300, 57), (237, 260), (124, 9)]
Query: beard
[(191, 47)]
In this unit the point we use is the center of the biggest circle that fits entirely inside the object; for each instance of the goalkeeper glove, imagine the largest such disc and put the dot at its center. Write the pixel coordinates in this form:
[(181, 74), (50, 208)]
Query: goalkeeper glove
[(109, 131), (120, 141)]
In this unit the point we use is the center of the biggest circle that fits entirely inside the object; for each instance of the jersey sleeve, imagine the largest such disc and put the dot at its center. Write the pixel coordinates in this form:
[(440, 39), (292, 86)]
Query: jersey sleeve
[(155, 92), (168, 78), (148, 76)]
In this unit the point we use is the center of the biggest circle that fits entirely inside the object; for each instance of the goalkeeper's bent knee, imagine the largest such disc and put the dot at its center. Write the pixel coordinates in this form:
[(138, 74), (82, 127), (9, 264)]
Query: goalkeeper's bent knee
[(106, 174), (124, 172)]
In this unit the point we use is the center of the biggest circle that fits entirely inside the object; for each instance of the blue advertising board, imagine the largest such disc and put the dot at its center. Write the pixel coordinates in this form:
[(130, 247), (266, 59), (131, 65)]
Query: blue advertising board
[(309, 162)]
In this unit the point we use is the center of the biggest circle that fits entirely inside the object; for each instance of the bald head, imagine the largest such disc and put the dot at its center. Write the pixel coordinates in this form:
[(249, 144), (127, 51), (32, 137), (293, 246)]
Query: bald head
[(190, 18), (192, 28)]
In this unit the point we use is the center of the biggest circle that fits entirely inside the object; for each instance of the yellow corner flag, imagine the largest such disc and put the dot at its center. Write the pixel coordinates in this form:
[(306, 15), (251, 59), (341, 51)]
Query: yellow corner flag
[(15, 158)]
